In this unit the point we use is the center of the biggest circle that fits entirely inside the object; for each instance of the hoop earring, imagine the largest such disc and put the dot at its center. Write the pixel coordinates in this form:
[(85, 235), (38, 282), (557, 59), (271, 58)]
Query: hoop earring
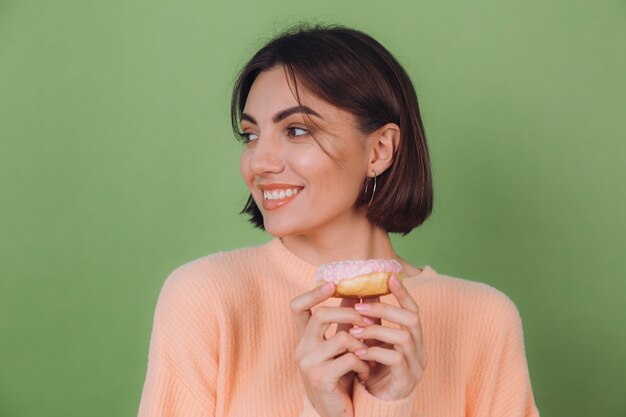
[(373, 191)]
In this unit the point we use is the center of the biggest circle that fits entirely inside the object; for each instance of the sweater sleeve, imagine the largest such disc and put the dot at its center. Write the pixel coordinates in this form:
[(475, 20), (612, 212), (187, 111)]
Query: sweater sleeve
[(500, 384), (165, 395), (182, 368)]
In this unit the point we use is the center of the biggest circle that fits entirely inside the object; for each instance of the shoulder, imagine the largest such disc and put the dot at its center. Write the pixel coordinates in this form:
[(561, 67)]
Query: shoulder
[(210, 277), (217, 266), (475, 303), (220, 261), (484, 317)]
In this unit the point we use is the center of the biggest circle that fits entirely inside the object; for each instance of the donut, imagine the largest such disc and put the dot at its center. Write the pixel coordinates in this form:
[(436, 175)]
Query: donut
[(359, 278)]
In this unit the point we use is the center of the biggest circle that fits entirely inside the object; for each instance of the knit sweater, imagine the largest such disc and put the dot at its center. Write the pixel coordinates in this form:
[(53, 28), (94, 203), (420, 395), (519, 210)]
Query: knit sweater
[(223, 342)]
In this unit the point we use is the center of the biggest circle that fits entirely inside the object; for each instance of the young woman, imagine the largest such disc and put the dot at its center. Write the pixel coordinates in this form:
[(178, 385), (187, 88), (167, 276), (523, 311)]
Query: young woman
[(335, 158)]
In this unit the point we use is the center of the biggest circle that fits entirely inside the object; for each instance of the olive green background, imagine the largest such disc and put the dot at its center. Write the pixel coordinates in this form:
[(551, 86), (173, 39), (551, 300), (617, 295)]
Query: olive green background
[(117, 165)]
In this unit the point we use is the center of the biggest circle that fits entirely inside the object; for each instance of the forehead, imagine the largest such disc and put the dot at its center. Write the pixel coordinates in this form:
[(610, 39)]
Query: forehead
[(272, 92), (271, 86)]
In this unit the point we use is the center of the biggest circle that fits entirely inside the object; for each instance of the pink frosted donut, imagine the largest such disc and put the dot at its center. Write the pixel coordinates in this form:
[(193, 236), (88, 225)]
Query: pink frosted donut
[(359, 278)]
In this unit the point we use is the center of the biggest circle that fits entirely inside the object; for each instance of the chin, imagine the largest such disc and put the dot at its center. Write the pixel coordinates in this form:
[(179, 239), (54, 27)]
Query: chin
[(279, 230)]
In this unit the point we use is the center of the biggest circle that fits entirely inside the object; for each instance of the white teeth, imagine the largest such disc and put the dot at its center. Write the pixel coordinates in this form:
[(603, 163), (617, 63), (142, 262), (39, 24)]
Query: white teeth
[(277, 195)]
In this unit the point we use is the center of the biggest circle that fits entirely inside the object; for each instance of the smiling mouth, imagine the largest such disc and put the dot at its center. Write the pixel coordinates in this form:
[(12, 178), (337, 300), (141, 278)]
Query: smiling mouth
[(279, 194), (273, 199)]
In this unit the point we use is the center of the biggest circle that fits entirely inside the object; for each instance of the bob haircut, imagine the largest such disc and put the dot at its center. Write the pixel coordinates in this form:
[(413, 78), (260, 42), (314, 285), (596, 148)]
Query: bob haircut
[(354, 72)]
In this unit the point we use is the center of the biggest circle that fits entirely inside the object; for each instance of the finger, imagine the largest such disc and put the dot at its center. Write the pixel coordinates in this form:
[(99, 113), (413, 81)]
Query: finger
[(400, 339), (346, 302), (344, 364), (402, 294), (396, 363), (323, 317), (393, 314), (340, 343), (301, 305), (409, 320), (368, 301), (397, 337), (391, 358), (414, 324), (370, 321)]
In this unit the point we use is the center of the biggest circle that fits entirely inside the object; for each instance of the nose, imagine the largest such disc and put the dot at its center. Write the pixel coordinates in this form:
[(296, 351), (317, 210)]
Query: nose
[(266, 156)]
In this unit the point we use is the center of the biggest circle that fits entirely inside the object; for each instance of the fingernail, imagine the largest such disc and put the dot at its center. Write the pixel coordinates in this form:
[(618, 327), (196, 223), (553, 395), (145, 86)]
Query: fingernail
[(356, 330), (362, 307), (327, 288), (367, 320), (360, 352)]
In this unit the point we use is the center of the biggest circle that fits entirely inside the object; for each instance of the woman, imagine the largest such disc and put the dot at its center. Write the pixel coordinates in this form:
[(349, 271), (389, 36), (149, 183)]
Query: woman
[(335, 158)]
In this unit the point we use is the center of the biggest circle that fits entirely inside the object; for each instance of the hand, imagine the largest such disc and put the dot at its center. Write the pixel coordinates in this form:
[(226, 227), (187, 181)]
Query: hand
[(328, 367), (399, 354)]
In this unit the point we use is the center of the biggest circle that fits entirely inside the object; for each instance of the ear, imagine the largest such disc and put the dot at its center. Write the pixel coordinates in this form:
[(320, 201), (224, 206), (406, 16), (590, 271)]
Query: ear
[(384, 145)]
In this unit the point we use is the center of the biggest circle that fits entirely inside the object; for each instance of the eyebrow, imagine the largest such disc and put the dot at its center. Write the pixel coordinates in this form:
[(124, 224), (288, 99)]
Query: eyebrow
[(284, 113)]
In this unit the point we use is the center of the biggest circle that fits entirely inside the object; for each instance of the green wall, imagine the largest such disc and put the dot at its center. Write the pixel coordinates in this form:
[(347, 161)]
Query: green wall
[(117, 165)]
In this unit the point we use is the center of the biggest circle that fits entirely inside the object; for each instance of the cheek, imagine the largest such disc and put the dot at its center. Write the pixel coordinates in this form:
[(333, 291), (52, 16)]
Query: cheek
[(309, 164), (330, 178), (244, 168), (246, 174), (317, 170)]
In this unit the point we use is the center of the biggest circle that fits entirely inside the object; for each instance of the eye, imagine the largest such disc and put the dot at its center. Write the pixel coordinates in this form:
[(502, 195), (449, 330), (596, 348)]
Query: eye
[(246, 137), (292, 129)]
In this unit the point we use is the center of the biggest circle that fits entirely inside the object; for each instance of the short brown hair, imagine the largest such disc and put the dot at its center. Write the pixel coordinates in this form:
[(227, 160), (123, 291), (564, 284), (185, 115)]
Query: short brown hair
[(354, 72)]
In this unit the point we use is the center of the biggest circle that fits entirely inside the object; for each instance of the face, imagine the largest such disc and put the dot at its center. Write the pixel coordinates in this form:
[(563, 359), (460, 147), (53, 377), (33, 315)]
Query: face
[(299, 189)]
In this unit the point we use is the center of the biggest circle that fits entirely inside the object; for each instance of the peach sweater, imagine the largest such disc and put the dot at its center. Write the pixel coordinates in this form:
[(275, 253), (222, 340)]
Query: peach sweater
[(223, 340)]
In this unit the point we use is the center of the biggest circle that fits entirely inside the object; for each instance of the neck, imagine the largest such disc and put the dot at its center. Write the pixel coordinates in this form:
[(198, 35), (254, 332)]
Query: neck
[(353, 238), (358, 240)]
